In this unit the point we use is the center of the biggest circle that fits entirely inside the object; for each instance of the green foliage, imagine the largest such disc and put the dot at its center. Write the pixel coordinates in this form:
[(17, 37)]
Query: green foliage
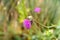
[(21, 8)]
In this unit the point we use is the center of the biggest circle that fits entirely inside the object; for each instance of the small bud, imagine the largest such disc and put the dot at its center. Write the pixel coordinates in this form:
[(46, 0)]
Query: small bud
[(37, 10)]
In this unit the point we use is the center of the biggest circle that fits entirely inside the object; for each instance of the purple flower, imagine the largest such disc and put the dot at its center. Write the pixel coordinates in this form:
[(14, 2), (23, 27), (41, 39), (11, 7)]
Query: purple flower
[(37, 10), (27, 24)]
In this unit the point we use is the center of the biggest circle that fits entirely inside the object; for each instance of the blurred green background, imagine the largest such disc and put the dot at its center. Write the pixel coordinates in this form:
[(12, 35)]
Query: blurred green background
[(45, 25)]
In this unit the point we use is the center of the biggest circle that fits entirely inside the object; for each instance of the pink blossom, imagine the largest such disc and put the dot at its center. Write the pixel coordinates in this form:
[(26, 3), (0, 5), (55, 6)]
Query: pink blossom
[(37, 10), (27, 24)]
